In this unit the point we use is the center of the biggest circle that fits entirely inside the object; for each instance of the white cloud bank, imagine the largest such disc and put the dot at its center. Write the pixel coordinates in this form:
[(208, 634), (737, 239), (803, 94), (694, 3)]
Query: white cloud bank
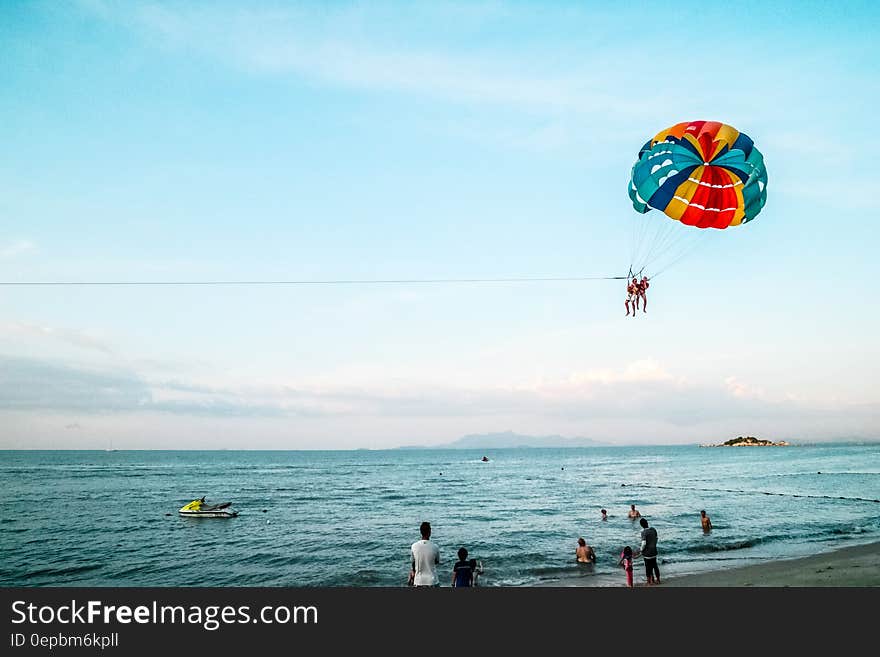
[(642, 402)]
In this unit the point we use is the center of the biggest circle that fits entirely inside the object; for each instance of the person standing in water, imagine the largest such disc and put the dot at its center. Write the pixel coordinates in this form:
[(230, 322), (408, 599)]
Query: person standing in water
[(584, 552), (425, 558), (704, 520), (649, 552), (633, 512), (463, 571), (626, 562)]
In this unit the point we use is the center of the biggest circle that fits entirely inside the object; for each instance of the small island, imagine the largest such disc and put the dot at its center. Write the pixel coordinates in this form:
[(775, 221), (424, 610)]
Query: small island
[(749, 441)]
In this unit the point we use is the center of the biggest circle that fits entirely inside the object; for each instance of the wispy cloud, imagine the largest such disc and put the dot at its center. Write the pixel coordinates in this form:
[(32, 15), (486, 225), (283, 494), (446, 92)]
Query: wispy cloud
[(27, 384), (333, 49), (554, 95), (637, 372), (742, 390), (77, 338), (16, 248)]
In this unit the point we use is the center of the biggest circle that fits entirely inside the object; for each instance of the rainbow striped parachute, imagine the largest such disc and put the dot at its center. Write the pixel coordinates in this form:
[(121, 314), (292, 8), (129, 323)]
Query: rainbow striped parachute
[(701, 173)]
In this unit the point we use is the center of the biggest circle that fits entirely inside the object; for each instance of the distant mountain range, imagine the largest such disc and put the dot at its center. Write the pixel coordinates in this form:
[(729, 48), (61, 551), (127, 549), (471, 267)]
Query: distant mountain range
[(507, 439)]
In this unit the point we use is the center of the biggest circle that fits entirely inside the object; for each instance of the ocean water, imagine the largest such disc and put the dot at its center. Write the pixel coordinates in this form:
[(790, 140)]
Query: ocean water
[(93, 518)]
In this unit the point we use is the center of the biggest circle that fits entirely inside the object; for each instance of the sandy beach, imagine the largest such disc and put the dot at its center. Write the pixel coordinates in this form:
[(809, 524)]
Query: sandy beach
[(846, 567)]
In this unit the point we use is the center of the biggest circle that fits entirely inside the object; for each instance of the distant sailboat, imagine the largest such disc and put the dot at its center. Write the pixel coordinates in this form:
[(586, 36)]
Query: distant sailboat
[(110, 449)]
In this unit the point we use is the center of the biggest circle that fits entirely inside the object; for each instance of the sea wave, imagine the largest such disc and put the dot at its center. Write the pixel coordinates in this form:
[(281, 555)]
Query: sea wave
[(349, 519)]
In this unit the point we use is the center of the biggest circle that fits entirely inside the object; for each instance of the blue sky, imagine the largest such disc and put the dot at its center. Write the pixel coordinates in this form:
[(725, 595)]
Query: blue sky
[(215, 141)]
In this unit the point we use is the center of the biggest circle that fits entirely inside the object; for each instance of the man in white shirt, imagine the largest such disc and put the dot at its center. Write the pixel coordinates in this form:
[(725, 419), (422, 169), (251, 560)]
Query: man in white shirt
[(425, 558)]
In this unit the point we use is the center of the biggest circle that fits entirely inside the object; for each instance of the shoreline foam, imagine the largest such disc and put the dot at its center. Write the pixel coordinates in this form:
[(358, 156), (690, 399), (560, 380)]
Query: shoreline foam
[(857, 565), (851, 566)]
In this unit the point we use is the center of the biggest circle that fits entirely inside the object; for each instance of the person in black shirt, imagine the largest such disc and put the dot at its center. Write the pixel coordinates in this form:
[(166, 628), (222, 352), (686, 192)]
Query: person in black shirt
[(463, 571), (649, 552)]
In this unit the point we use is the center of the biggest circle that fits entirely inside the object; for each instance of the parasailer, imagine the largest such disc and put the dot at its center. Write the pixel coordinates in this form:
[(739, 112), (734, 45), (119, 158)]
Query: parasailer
[(632, 295), (643, 289), (636, 291), (699, 174)]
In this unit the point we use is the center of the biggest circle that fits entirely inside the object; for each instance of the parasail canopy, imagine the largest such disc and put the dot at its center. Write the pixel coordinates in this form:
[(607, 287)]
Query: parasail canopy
[(702, 173)]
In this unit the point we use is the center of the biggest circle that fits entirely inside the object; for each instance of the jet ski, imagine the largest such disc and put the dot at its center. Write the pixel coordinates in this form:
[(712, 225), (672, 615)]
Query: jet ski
[(201, 509)]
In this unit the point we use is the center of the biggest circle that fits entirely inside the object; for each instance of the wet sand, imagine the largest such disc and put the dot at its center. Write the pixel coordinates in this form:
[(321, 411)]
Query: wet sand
[(851, 566)]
